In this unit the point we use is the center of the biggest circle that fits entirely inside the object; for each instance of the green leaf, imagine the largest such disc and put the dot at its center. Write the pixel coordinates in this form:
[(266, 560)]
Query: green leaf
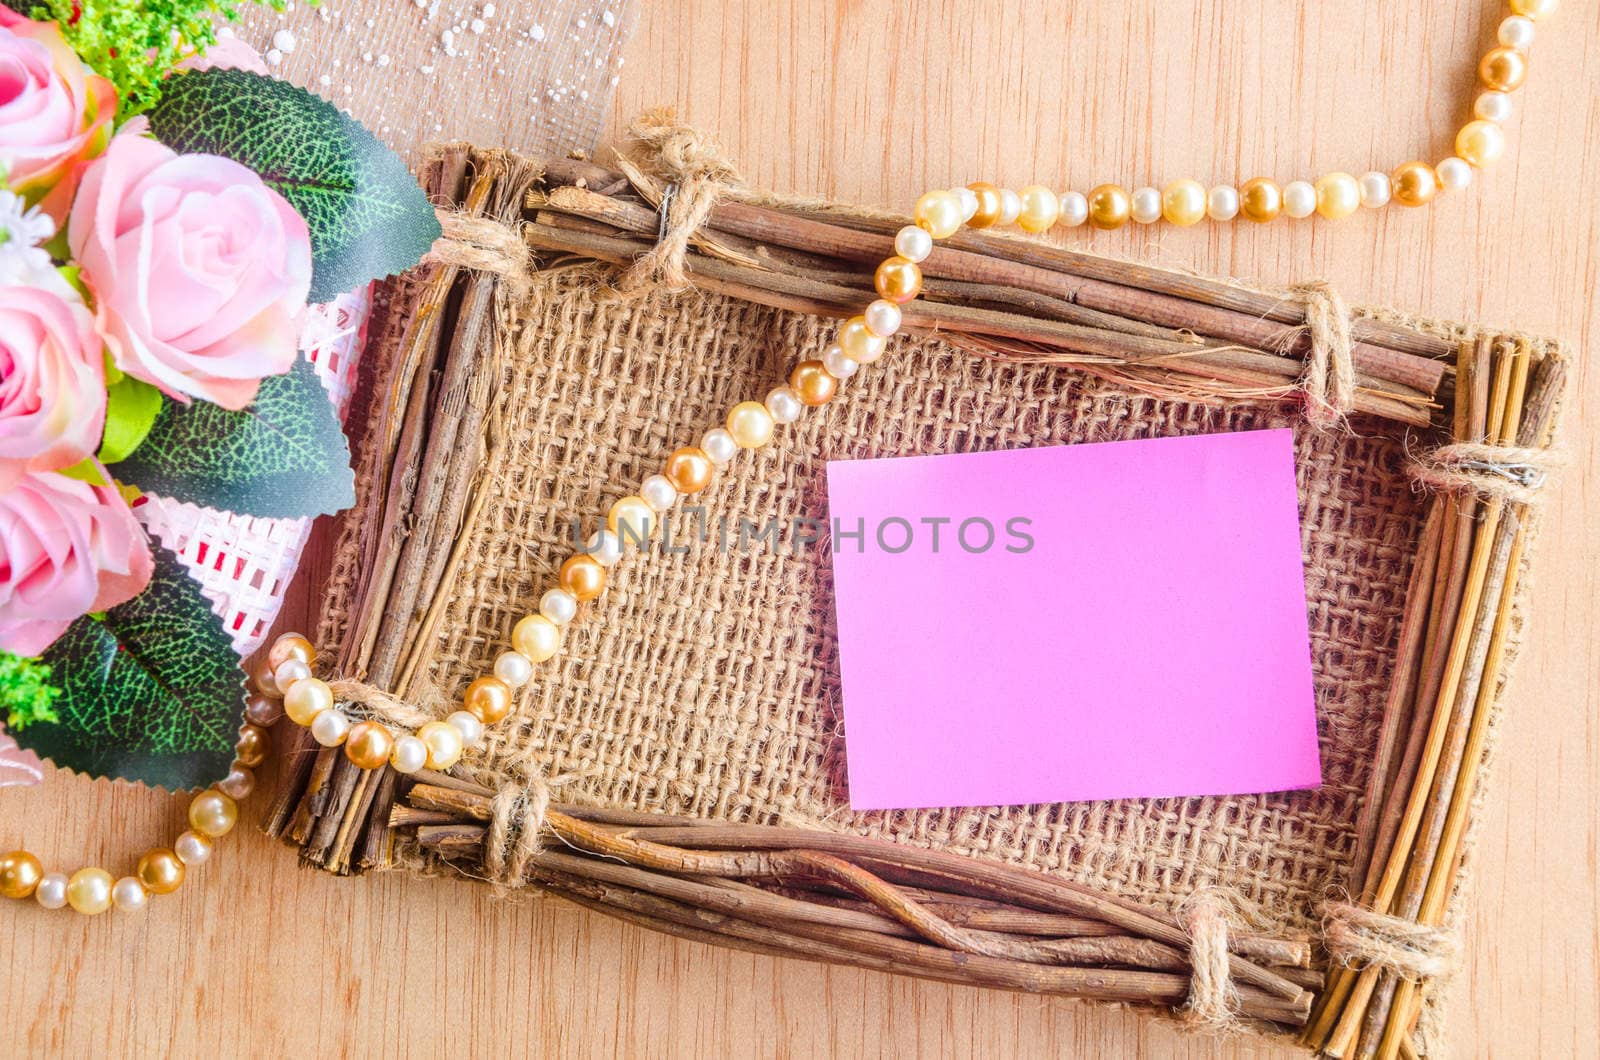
[(368, 218), (86, 470), (151, 692), (284, 456), (131, 410)]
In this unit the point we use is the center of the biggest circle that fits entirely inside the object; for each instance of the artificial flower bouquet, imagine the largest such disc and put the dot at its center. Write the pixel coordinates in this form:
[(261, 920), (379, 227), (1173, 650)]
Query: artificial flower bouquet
[(170, 219)]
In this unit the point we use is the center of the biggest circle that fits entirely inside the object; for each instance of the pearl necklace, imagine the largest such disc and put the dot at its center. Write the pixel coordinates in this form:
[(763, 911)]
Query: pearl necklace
[(1337, 195), (311, 702), (212, 815)]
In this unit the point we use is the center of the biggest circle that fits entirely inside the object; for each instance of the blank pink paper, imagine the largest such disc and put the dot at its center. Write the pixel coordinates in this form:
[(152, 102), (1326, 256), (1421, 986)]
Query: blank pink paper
[(1150, 641)]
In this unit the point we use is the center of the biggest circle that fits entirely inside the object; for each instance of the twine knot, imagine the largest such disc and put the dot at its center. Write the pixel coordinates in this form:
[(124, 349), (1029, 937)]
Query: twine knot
[(483, 245), (1358, 937), (1514, 474), (1212, 997), (696, 172), (375, 703), (516, 816), (1329, 380)]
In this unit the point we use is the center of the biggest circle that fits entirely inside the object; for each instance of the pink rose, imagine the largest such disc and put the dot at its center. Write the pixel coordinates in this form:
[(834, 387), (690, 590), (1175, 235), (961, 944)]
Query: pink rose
[(199, 270), (54, 113), (66, 548), (52, 377)]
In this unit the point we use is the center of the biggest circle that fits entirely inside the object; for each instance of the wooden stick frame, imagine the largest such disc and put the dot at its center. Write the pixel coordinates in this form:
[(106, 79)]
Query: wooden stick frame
[(878, 904)]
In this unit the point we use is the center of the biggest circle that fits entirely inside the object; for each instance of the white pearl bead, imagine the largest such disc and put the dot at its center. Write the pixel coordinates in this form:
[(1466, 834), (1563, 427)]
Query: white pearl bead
[(1517, 32), (658, 492), (1074, 209), (1493, 106), (1010, 207), (330, 728), (513, 667), (468, 725), (969, 203), (913, 243), (784, 404), (52, 891), (409, 755), (1299, 198), (605, 548), (838, 365), (1375, 189), (192, 849), (129, 895), (883, 318), (1454, 173), (1222, 204), (288, 672), (1147, 206), (719, 445), (558, 605)]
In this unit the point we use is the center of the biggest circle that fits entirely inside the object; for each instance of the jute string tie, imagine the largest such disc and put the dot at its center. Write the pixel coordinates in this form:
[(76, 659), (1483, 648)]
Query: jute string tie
[(483, 245), (1358, 938), (696, 173), (1514, 474), (1329, 380), (1212, 998), (516, 819), (517, 811)]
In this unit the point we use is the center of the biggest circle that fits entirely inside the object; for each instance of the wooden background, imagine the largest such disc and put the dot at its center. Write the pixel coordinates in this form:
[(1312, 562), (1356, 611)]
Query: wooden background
[(875, 102)]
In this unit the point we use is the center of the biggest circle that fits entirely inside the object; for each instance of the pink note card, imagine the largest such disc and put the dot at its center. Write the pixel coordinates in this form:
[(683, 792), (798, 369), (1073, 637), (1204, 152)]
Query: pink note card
[(1078, 622)]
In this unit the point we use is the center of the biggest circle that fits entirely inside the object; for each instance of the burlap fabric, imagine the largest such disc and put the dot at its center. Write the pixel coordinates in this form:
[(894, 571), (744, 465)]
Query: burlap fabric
[(707, 683)]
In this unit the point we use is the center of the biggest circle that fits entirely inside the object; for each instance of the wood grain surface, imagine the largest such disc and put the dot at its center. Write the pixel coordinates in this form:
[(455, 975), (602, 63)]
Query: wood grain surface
[(875, 102)]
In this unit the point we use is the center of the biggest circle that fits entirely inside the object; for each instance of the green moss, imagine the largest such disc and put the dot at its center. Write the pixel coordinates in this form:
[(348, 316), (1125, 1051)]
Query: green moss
[(135, 43), (26, 694)]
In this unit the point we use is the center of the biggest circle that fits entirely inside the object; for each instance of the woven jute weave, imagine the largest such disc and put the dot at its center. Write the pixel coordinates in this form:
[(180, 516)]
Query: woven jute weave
[(709, 683), (705, 684)]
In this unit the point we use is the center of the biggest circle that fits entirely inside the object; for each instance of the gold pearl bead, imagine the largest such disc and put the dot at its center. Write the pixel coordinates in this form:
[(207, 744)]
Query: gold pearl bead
[(582, 576), (813, 383), (750, 424), (254, 745), (689, 469), (898, 279), (536, 637), (213, 814), (263, 680), (1110, 206), (1260, 200), (1503, 69), (1338, 195), (488, 699), (1480, 142), (632, 520), (1183, 202), (990, 204), (1534, 9), (20, 873), (939, 214), (368, 745), (307, 699), (161, 871), (1415, 184), (89, 891), (1040, 208), (443, 742), (859, 343), (239, 782), (259, 710), (291, 646)]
